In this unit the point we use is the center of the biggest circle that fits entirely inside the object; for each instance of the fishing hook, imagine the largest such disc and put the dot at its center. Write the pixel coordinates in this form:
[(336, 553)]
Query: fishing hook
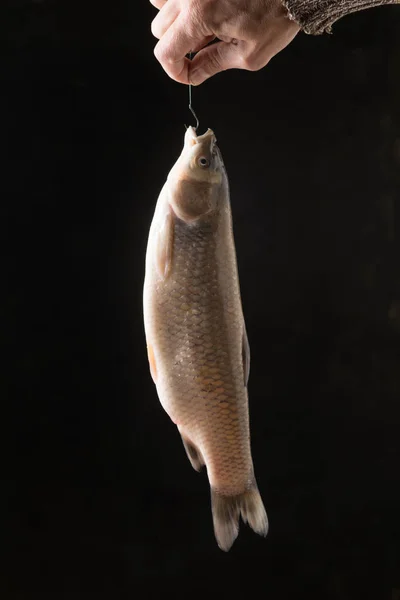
[(191, 107)]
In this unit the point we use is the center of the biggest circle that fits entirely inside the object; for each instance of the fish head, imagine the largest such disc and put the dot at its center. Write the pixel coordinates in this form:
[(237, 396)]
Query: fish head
[(203, 158), (197, 176)]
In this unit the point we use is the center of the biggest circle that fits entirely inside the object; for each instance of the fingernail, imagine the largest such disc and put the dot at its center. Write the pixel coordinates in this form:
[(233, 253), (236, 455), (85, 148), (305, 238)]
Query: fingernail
[(198, 76)]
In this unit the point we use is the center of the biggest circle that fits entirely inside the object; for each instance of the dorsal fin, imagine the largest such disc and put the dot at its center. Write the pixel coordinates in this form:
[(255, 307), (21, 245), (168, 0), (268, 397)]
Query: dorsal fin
[(245, 355)]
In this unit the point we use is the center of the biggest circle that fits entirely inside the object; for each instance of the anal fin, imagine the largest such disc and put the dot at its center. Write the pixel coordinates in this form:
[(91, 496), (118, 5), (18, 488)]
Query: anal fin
[(193, 453)]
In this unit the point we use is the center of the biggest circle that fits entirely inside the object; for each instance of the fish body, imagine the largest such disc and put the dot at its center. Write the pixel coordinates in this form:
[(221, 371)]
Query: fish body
[(196, 337)]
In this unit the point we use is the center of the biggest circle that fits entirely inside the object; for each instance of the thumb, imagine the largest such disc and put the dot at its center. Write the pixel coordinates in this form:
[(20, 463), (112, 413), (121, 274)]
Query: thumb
[(216, 58)]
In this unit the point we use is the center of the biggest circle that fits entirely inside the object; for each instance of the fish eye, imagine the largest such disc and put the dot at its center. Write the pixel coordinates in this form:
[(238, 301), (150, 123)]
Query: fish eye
[(203, 162)]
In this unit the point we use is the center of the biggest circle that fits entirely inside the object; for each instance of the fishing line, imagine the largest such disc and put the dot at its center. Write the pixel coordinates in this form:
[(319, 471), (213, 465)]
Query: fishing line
[(190, 101)]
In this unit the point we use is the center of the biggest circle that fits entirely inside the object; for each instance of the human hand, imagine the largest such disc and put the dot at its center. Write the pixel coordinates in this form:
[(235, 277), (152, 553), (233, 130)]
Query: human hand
[(251, 32)]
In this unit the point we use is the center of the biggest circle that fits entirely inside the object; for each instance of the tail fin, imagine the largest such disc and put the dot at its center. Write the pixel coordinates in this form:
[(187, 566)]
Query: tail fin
[(226, 511)]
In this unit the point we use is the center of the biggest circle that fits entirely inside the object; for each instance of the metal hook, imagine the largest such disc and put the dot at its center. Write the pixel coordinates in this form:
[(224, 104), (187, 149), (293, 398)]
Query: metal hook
[(191, 107)]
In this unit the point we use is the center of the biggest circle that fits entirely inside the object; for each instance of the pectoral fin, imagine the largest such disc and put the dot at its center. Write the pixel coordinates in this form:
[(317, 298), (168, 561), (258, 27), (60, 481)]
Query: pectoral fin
[(165, 244), (245, 356), (152, 362)]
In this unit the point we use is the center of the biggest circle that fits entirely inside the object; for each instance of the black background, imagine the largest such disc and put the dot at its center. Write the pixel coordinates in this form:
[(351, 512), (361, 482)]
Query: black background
[(98, 495)]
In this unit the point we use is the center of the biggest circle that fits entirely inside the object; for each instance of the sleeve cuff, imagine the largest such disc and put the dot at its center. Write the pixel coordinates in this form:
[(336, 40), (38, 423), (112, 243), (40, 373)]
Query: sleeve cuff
[(317, 16)]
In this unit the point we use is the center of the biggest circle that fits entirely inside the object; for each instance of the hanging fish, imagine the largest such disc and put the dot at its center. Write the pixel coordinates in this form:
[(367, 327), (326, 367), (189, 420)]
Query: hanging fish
[(195, 332)]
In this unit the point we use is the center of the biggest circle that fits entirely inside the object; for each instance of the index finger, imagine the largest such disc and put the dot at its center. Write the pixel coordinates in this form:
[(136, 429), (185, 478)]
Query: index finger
[(172, 48)]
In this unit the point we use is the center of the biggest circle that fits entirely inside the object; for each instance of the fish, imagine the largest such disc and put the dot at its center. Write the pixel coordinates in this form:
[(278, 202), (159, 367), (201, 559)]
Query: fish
[(197, 345)]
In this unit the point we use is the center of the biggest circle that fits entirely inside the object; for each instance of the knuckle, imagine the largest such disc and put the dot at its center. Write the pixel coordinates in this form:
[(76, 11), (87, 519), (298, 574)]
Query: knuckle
[(160, 53), (163, 55), (251, 62), (153, 28), (209, 13), (214, 62), (191, 28), (196, 19)]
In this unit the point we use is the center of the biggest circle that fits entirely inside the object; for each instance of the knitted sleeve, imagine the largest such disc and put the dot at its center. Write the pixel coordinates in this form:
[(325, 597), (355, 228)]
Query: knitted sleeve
[(317, 16)]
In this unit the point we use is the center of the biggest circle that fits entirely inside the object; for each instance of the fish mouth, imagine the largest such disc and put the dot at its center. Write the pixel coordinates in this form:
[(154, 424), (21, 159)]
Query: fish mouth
[(191, 135), (205, 136), (207, 139)]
